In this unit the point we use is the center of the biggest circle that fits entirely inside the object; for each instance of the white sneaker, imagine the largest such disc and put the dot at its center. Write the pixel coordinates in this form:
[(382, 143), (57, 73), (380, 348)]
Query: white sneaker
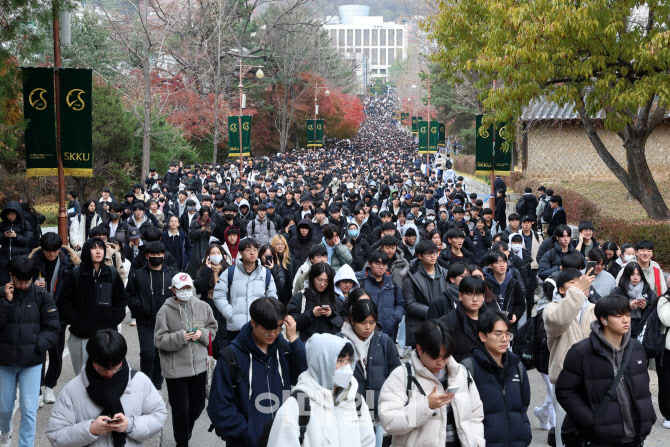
[(41, 401), (5, 439), (133, 322), (543, 418), (49, 396), (666, 423)]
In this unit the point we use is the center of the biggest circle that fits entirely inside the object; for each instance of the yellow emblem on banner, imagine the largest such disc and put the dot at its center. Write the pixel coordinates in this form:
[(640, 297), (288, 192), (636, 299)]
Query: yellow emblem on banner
[(77, 104), (38, 103), (233, 127)]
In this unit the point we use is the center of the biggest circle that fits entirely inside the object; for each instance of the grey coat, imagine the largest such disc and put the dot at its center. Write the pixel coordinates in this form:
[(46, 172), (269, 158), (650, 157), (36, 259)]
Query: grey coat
[(74, 411), (261, 230), (181, 358)]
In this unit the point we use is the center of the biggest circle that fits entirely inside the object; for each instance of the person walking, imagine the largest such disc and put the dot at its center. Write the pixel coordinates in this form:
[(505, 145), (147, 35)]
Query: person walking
[(29, 327), (185, 329)]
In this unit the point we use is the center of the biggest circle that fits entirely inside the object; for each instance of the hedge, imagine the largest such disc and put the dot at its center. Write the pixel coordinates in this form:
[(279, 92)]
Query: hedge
[(579, 208)]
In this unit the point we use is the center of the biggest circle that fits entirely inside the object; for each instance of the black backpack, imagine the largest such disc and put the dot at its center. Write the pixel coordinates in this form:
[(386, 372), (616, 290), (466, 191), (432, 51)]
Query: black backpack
[(521, 206), (448, 164), (547, 212), (651, 335), (530, 344)]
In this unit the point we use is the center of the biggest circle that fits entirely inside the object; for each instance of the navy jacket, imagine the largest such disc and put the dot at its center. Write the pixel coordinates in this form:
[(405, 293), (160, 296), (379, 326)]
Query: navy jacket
[(382, 360), (388, 298), (179, 246), (234, 413), (506, 401)]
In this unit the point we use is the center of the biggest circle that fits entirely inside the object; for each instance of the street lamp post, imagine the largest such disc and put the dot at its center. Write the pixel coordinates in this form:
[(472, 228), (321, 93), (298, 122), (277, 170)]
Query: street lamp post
[(316, 108), (244, 69)]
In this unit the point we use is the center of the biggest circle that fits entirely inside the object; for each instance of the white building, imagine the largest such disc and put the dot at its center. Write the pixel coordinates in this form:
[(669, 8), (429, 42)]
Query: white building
[(368, 38)]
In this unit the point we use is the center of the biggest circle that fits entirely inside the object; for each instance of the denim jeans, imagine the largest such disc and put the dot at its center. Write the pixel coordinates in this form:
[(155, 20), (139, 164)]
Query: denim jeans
[(401, 333), (379, 434), (28, 379)]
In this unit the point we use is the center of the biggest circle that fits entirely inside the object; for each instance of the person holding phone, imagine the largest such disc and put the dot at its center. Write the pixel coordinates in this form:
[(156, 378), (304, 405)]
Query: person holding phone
[(634, 285), (108, 403), (502, 378), (316, 310), (442, 408)]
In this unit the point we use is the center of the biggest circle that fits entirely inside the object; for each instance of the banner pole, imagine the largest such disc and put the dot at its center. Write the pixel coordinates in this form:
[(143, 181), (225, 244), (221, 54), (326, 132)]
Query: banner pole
[(493, 166), (62, 212)]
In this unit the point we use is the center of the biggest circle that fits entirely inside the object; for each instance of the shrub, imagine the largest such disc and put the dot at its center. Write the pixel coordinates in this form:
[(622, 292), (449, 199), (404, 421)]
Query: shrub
[(620, 232), (464, 164)]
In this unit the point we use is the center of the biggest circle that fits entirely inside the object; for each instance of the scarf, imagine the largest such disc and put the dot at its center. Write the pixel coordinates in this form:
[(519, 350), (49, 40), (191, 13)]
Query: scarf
[(200, 221), (107, 394), (634, 293), (361, 347)]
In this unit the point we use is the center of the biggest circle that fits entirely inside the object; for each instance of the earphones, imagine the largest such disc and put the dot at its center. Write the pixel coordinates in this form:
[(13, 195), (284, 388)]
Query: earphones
[(605, 322)]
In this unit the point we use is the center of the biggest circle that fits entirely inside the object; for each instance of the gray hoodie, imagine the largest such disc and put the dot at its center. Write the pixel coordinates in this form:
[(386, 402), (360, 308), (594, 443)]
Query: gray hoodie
[(623, 394)]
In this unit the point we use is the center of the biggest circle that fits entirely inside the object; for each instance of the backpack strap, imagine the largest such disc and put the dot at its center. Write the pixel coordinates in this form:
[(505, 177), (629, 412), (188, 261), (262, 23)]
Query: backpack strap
[(412, 380), (132, 374), (268, 277), (76, 273), (230, 358), (304, 414), (231, 273), (657, 280), (520, 369), (469, 365), (253, 227)]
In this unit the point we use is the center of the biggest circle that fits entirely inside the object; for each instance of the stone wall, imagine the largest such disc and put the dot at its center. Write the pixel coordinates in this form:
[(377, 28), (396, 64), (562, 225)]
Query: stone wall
[(563, 152)]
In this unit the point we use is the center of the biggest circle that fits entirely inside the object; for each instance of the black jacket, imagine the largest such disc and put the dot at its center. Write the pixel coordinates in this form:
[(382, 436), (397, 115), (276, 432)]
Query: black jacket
[(143, 305), (67, 261), (307, 323), (465, 336), (299, 245), (558, 218), (14, 247), (419, 291), (79, 305), (29, 326), (582, 384), (551, 261), (448, 301), (514, 300)]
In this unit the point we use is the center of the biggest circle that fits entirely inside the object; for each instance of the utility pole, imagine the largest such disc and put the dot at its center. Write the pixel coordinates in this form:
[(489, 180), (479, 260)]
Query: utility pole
[(62, 212)]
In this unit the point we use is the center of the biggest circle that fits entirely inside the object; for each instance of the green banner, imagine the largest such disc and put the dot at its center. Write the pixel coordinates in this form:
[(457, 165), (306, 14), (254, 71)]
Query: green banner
[(404, 116), (484, 151), (234, 122), (433, 136), (415, 125), (39, 111), (423, 136), (441, 138), (76, 121), (314, 133)]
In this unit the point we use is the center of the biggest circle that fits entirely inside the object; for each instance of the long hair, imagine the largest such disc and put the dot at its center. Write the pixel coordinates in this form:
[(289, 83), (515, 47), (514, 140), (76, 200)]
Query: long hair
[(328, 295), (86, 259), (628, 271), (286, 258), (224, 265)]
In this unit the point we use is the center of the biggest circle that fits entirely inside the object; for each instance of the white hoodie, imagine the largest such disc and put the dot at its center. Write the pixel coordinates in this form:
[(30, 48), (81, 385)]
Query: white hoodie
[(333, 419)]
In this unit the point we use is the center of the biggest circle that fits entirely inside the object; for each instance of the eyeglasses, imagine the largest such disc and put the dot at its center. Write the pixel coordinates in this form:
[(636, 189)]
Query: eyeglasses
[(321, 281), (104, 370), (273, 332), (472, 295), (503, 335)]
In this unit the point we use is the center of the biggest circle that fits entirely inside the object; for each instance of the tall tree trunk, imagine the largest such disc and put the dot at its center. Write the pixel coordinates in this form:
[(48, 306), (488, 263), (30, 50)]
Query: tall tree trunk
[(638, 180), (146, 124)]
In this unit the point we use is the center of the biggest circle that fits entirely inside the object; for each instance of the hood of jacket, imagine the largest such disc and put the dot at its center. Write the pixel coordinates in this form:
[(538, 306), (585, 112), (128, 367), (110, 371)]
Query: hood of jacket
[(322, 352), (614, 355), (308, 223), (12, 205), (242, 203), (345, 272), (245, 343), (64, 251)]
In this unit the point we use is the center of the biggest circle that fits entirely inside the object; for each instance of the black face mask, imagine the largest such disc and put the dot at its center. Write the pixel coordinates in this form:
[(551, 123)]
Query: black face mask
[(114, 216), (156, 261), (229, 216)]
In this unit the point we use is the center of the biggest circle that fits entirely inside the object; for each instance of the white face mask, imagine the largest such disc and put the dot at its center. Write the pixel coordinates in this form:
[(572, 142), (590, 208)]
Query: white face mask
[(216, 259), (466, 218), (515, 247), (342, 376), (629, 258), (184, 294)]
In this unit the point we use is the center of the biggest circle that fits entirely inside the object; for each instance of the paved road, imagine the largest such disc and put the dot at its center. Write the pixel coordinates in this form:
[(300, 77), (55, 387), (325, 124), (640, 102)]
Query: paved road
[(659, 436)]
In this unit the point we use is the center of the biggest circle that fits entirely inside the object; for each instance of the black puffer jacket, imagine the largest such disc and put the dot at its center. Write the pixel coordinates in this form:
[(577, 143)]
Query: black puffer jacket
[(299, 245), (588, 373), (465, 336), (29, 326), (143, 305), (14, 247)]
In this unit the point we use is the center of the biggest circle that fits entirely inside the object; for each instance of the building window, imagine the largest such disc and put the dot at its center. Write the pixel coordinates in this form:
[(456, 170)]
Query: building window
[(374, 57), (333, 35), (358, 37), (357, 50), (350, 38), (366, 51), (366, 37), (382, 37), (382, 56), (391, 55), (391, 37), (375, 39), (399, 38), (340, 42), (382, 71)]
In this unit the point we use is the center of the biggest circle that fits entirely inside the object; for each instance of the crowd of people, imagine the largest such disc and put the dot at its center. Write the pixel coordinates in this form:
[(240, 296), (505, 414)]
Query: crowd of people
[(335, 297)]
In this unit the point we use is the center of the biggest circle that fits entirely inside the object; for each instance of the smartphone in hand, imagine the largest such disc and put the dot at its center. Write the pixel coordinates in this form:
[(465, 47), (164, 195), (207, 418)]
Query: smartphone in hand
[(591, 265)]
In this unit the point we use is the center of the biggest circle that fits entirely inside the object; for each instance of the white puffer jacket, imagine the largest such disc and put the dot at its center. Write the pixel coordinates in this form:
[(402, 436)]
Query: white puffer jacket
[(246, 288), (414, 424), (74, 411), (663, 309), (78, 228)]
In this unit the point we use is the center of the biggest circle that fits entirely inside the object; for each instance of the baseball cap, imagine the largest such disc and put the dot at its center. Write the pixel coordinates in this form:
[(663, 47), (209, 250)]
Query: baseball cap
[(270, 205), (133, 233), (410, 216), (181, 280), (528, 218)]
